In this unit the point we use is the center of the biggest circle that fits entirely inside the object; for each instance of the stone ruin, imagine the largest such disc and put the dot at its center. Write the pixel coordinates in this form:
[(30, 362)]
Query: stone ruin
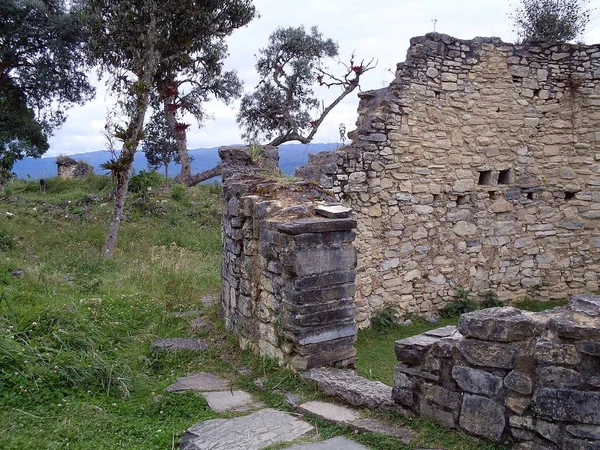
[(288, 265), (509, 374), (67, 167), (477, 167)]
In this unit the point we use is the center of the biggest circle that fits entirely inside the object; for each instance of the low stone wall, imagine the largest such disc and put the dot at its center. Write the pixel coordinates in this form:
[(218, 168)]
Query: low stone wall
[(288, 267), (506, 373)]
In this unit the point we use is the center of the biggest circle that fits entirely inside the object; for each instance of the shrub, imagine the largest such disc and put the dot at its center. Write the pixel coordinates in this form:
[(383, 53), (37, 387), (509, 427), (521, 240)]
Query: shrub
[(178, 192), (384, 319), (491, 300), (462, 304), (144, 181)]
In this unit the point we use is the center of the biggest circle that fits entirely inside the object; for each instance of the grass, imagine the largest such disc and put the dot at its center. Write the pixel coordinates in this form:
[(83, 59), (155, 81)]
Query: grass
[(75, 367)]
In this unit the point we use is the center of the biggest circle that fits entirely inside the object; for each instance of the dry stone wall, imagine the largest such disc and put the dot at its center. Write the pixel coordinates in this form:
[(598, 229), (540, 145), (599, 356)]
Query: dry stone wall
[(509, 374), (478, 167), (288, 265)]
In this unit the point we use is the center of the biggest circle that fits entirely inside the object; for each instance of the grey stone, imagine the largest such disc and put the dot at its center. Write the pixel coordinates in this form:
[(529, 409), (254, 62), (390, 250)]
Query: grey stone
[(184, 314), (550, 431), (586, 304), (316, 225), (569, 405), (584, 431), (439, 395), (177, 344), (504, 324), (199, 324), (412, 350), (336, 443), (518, 382), (353, 389), (447, 331), (579, 444), (482, 417), (329, 411), (230, 401), (553, 353), (292, 399), (488, 354), (201, 381), (401, 433), (576, 326), (476, 381), (333, 211), (558, 377), (436, 414), (252, 432), (313, 261)]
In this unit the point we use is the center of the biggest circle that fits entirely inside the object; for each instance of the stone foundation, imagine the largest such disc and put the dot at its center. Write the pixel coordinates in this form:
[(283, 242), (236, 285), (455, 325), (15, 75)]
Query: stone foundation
[(506, 373), (288, 265), (478, 167)]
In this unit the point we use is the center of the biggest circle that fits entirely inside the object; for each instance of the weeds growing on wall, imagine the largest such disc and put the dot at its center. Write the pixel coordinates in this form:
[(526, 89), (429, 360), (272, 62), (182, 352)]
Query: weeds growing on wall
[(462, 304)]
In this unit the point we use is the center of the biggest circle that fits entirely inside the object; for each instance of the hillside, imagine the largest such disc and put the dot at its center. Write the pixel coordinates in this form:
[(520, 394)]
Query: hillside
[(291, 156)]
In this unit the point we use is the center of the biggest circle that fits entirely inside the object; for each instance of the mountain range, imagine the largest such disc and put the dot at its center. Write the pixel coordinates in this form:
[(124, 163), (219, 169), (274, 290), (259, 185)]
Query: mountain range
[(291, 156)]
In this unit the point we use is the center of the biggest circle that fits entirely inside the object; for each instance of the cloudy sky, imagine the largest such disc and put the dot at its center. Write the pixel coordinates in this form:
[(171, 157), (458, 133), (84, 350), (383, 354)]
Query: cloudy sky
[(379, 29)]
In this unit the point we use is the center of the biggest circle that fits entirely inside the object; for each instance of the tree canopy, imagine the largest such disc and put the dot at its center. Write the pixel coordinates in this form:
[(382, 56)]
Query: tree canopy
[(283, 106), (42, 73), (551, 20)]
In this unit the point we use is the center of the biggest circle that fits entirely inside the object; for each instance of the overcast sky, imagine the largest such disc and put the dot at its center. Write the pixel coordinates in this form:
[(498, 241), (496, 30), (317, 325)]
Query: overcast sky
[(379, 29)]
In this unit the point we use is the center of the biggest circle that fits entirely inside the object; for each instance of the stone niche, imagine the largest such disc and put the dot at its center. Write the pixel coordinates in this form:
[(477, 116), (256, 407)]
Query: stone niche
[(506, 373), (477, 167), (288, 265)]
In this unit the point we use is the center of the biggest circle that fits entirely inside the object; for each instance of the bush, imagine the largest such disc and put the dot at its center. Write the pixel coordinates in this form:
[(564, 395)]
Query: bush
[(7, 240), (491, 300), (178, 192), (462, 304), (384, 319), (144, 181)]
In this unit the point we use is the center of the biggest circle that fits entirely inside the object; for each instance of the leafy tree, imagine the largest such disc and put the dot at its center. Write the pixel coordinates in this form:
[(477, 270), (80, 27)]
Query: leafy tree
[(283, 106), (137, 41), (551, 20), (42, 73), (159, 146)]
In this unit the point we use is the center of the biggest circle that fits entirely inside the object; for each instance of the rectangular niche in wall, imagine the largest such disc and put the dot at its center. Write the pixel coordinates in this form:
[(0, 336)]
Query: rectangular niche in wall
[(506, 176), (485, 178)]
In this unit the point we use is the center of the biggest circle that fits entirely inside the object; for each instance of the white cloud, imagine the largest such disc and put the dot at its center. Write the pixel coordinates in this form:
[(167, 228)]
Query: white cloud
[(373, 29)]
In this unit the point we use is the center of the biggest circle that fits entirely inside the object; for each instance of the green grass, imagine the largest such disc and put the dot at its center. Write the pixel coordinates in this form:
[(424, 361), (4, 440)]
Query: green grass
[(75, 367)]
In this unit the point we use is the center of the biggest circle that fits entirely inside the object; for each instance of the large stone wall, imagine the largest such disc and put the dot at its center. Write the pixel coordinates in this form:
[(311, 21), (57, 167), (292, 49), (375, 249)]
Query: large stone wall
[(508, 374), (478, 167), (288, 265)]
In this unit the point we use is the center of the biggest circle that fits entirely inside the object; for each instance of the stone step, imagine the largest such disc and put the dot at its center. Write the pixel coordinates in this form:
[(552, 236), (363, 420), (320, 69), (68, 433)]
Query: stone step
[(336, 443), (354, 389), (345, 416), (237, 401), (252, 432), (177, 344), (200, 382)]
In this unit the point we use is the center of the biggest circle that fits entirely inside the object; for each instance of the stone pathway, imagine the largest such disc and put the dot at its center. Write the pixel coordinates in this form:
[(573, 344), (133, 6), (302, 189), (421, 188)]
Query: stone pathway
[(201, 382), (336, 443), (237, 401), (194, 345)]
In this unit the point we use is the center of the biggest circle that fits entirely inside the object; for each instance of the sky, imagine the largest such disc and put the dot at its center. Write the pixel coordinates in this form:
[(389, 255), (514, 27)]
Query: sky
[(379, 29)]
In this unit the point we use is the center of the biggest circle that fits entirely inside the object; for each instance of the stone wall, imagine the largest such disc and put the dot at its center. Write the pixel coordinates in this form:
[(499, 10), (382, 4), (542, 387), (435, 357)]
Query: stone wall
[(505, 373), (288, 265), (477, 167)]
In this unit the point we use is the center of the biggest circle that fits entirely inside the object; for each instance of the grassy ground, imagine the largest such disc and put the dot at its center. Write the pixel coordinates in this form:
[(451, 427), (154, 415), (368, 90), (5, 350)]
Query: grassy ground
[(75, 330)]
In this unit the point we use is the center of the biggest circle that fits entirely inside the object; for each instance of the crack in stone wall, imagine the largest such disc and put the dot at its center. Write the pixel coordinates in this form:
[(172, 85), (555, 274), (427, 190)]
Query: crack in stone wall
[(478, 167)]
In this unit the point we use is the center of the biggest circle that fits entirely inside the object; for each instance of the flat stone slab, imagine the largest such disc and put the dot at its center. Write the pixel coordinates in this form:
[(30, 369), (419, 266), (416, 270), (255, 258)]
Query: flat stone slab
[(353, 389), (200, 323), (230, 401), (176, 344), (184, 314), (333, 211), (336, 443), (329, 411), (342, 415), (252, 432), (201, 382)]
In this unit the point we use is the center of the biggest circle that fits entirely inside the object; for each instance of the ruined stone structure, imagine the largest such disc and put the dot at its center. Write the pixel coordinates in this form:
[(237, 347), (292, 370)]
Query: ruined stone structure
[(67, 167), (532, 377), (478, 167), (288, 266)]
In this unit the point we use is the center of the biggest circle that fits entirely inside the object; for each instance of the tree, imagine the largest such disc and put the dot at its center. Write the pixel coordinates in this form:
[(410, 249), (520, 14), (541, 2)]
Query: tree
[(159, 146), (134, 41), (42, 73), (283, 106), (551, 20)]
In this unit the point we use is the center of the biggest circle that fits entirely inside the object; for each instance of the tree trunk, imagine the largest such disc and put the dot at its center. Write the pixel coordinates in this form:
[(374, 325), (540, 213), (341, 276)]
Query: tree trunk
[(115, 220), (206, 175), (185, 175)]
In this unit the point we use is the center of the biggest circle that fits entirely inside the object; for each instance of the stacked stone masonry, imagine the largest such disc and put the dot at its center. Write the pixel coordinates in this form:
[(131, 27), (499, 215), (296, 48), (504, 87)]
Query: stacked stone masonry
[(508, 374), (287, 273), (477, 167)]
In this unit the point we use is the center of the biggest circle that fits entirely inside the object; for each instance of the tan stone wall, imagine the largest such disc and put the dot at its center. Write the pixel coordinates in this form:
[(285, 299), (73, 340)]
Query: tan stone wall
[(477, 167)]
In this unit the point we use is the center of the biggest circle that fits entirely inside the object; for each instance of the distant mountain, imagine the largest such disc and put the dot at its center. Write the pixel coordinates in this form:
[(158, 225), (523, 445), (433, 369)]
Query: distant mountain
[(290, 157)]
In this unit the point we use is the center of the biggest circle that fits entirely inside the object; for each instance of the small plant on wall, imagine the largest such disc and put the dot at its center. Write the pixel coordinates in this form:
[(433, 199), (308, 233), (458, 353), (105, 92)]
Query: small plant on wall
[(462, 304)]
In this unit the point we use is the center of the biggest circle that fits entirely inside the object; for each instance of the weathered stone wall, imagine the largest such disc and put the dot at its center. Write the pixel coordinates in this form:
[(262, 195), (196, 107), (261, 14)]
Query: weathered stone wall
[(288, 271), (69, 168), (505, 373), (477, 167)]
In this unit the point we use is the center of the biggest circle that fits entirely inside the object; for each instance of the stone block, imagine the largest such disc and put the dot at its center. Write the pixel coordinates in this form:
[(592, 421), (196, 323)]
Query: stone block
[(325, 280), (553, 353), (568, 405), (315, 261), (576, 326), (482, 417), (322, 239), (504, 324), (586, 304), (315, 225), (584, 431), (477, 381), (519, 382), (558, 377), (412, 350), (488, 354), (440, 396), (438, 415)]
